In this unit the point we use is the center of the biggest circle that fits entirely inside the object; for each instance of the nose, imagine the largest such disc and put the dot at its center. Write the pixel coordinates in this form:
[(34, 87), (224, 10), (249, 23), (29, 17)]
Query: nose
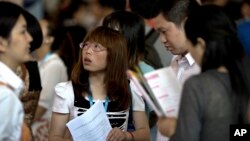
[(29, 37), (89, 49)]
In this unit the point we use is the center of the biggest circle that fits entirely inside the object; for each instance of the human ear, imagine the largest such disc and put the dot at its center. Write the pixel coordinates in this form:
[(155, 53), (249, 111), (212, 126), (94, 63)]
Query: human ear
[(3, 44), (201, 43)]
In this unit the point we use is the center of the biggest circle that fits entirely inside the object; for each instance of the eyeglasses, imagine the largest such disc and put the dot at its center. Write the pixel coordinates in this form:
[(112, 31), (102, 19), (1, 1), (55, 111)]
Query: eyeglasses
[(94, 46)]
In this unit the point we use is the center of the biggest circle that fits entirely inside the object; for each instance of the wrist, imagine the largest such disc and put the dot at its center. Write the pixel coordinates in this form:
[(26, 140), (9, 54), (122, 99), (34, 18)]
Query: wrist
[(130, 136)]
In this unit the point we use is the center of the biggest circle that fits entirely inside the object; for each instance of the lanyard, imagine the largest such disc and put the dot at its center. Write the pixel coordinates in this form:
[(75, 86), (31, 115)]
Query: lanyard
[(92, 103)]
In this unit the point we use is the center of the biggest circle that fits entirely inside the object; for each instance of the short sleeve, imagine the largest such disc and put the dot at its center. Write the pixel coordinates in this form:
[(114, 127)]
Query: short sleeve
[(64, 98), (137, 100)]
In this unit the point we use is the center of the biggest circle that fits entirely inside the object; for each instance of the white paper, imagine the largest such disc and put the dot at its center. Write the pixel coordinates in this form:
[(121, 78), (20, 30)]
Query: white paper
[(143, 93), (166, 89), (93, 125)]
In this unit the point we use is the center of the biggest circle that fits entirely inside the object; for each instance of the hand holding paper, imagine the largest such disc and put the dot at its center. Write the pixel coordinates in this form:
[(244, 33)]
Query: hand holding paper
[(93, 125)]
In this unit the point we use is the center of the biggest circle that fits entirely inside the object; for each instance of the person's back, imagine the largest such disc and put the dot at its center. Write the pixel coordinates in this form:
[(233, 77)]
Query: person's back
[(208, 100)]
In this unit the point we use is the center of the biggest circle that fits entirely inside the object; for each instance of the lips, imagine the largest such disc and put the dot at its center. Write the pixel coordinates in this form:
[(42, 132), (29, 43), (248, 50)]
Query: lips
[(87, 61)]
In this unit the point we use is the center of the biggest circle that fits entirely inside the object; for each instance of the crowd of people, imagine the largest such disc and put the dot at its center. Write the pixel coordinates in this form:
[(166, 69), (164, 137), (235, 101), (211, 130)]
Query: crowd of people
[(57, 62)]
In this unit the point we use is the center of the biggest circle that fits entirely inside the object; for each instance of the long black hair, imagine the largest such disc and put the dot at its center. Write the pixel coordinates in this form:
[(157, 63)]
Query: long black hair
[(132, 26), (223, 48)]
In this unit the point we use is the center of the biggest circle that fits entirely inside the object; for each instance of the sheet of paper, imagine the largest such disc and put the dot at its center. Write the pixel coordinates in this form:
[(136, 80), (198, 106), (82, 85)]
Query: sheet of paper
[(145, 94), (93, 125), (166, 89)]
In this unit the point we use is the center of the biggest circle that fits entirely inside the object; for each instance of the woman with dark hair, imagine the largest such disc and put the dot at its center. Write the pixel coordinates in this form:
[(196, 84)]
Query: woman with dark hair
[(100, 73), (219, 96), (15, 43), (132, 26)]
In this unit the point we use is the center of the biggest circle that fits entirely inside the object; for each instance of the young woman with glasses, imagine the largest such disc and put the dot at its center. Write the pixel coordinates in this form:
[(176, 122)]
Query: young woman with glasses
[(100, 74)]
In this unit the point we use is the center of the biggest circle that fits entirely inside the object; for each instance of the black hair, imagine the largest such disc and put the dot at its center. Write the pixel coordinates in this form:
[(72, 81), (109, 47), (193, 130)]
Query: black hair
[(175, 11), (223, 48), (143, 7), (9, 18), (35, 31), (132, 26)]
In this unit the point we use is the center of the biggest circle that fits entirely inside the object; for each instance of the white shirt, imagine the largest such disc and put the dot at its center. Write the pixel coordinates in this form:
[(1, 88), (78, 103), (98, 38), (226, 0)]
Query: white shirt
[(64, 103), (11, 109), (184, 67), (52, 71)]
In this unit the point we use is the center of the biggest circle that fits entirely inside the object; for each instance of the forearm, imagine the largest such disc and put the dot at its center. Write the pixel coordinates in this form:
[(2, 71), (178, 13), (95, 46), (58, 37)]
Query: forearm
[(139, 135), (167, 126)]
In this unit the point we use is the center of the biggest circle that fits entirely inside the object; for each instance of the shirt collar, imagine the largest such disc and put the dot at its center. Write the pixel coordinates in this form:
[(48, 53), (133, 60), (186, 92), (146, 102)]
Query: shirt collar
[(190, 59), (9, 77), (187, 58)]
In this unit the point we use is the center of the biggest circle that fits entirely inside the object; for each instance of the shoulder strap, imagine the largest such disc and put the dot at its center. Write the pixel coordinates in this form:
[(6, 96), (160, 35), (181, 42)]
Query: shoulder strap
[(4, 84)]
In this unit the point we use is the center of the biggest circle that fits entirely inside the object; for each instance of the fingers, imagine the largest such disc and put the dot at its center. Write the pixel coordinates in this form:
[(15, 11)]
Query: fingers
[(116, 134)]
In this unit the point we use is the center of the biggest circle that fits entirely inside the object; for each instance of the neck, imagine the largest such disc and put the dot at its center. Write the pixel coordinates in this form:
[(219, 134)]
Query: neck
[(222, 69), (97, 85), (41, 53), (96, 78), (12, 65)]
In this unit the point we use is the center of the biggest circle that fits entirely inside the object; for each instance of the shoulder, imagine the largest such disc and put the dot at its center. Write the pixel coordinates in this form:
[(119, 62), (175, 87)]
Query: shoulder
[(64, 89), (137, 100), (207, 81), (207, 76)]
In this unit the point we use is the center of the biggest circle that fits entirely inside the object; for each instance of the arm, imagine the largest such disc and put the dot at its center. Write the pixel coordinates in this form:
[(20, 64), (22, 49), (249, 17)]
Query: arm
[(58, 128), (167, 125), (142, 132)]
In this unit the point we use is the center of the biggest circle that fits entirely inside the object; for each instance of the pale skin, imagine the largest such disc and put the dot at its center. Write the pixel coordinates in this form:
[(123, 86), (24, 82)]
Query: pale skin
[(16, 50), (59, 131)]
